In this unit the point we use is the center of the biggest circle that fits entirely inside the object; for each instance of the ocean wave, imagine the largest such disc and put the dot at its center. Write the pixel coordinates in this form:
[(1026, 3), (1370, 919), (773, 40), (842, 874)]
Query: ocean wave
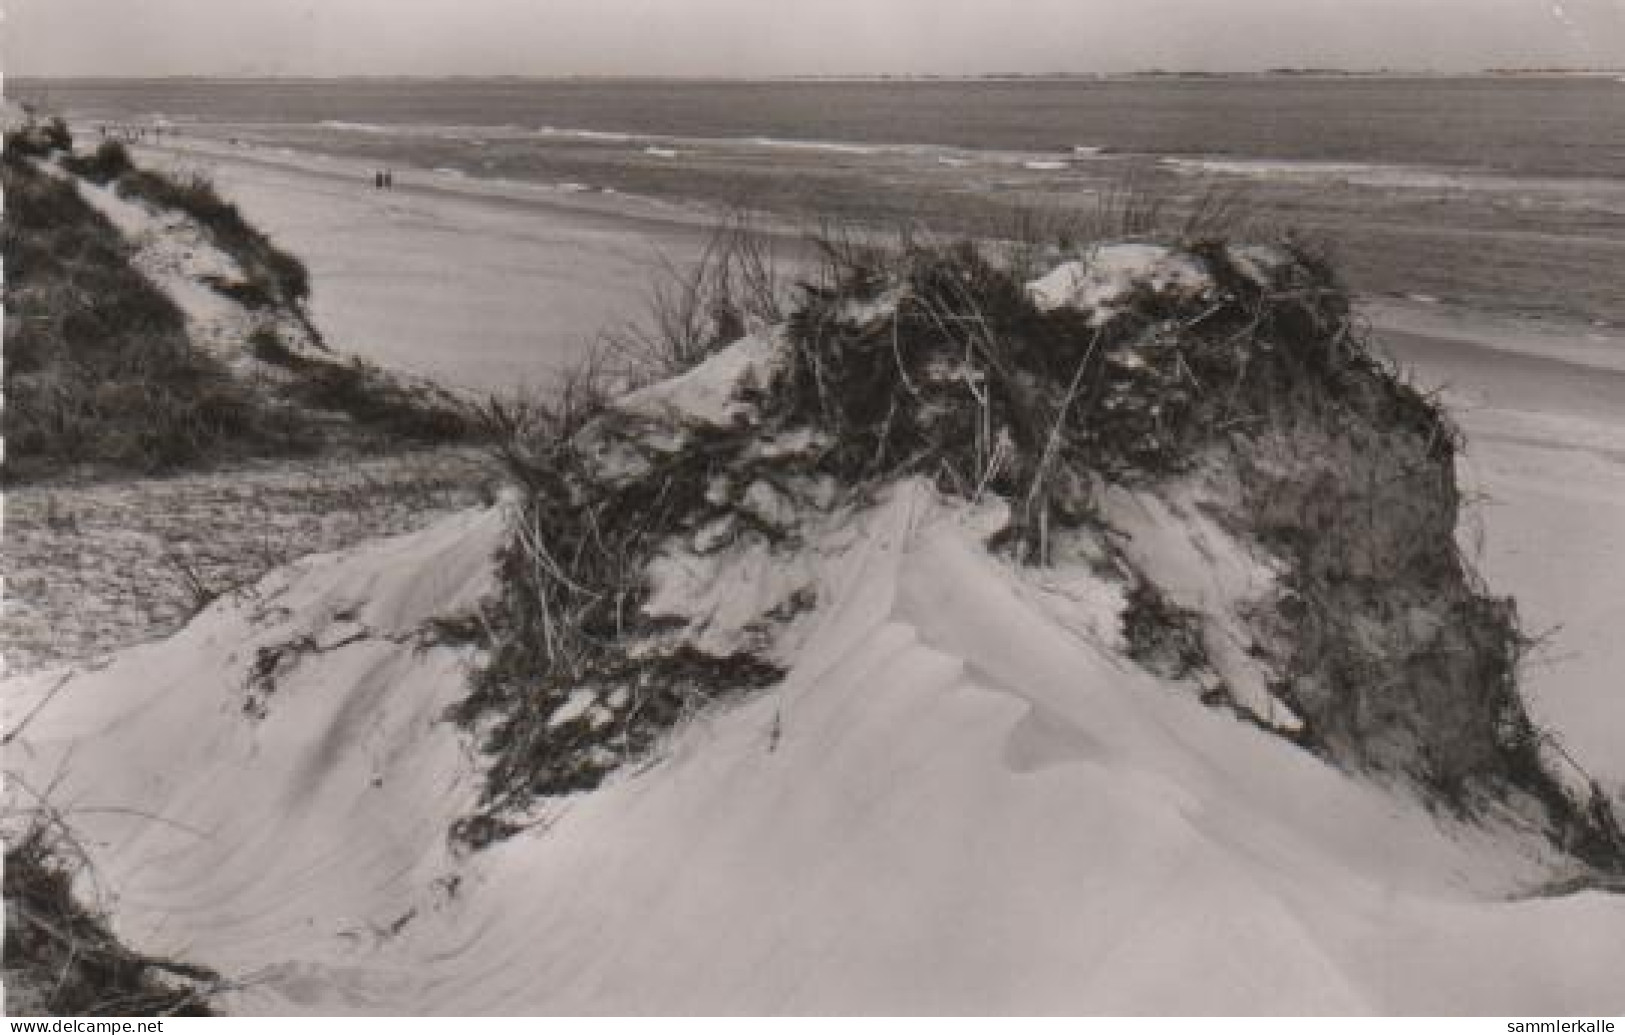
[(661, 144), (835, 146), (605, 135), (1358, 173), (464, 134), (1589, 192), (667, 145), (360, 127)]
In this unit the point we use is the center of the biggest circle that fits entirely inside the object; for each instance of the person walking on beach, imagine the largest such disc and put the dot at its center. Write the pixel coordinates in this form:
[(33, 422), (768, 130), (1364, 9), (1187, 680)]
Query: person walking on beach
[(378, 179)]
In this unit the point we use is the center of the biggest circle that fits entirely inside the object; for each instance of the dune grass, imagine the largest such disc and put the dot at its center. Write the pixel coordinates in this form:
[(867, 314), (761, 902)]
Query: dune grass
[(273, 276), (101, 375), (107, 163), (99, 369), (61, 957)]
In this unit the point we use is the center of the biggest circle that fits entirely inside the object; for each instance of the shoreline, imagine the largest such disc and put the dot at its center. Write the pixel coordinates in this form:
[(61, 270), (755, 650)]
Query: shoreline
[(1507, 242), (675, 227), (1148, 75)]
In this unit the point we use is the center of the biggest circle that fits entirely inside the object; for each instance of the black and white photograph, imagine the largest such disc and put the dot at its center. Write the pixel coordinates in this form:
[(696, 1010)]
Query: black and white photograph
[(867, 508)]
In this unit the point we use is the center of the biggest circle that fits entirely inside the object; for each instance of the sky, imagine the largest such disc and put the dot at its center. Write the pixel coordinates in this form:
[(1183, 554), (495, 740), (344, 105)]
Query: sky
[(797, 37)]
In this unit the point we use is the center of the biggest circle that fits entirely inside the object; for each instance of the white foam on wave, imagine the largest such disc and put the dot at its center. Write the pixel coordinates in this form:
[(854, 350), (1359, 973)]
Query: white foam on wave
[(361, 127), (673, 146), (604, 135), (1364, 174), (835, 146), (469, 134)]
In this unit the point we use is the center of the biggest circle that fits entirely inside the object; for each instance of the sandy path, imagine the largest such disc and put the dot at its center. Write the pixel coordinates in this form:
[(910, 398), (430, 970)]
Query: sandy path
[(147, 552)]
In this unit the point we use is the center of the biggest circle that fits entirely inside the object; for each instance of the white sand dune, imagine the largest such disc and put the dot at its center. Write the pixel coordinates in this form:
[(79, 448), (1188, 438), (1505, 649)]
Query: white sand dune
[(956, 803), (494, 286)]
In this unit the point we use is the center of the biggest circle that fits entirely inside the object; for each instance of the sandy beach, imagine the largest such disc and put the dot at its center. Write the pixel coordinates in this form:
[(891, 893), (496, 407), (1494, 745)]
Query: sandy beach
[(484, 287), (1544, 415)]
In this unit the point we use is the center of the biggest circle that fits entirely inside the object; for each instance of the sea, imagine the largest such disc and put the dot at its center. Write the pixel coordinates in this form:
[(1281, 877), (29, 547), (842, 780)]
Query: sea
[(1517, 125), (1495, 191)]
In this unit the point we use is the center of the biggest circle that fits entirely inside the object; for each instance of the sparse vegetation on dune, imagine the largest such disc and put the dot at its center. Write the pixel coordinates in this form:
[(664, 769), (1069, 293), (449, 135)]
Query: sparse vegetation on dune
[(99, 369), (738, 283), (273, 276), (61, 957), (400, 409), (1170, 357), (103, 379), (107, 163), (38, 138), (101, 373)]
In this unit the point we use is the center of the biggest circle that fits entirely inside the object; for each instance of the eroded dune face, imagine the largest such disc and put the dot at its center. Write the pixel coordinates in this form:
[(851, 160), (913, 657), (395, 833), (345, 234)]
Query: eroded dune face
[(971, 785)]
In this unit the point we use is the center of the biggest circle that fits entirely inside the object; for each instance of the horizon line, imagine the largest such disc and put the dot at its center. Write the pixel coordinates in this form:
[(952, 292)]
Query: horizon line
[(1147, 73)]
